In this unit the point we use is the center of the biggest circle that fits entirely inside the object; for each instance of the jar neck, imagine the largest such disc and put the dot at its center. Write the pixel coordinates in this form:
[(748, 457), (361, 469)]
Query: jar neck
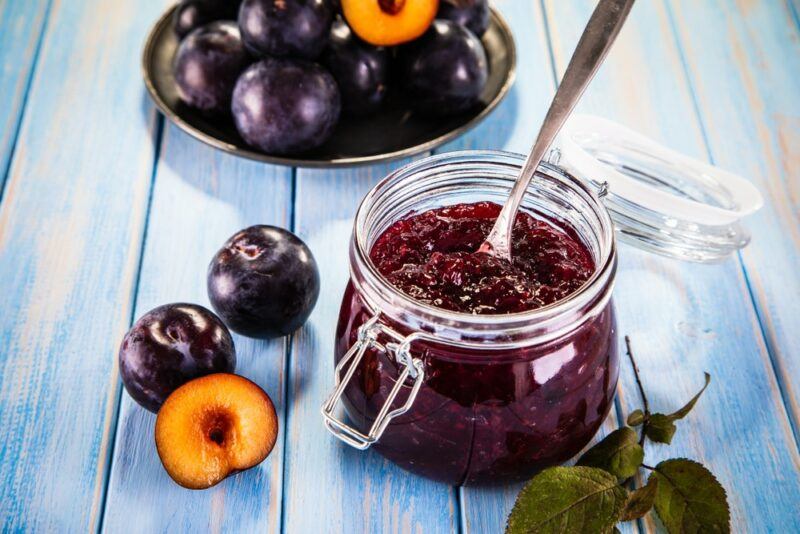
[(470, 176)]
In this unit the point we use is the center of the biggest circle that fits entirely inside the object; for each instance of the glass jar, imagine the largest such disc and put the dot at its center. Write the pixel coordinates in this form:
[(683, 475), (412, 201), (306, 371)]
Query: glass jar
[(466, 398)]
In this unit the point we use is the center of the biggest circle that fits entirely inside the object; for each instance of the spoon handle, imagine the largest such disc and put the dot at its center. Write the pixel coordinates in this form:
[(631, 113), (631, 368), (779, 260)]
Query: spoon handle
[(601, 31)]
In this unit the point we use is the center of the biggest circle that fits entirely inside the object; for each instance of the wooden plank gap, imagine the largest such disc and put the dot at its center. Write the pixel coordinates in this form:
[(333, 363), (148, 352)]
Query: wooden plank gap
[(794, 9), (549, 41), (287, 356), (133, 299), (767, 340), (773, 353), (23, 105)]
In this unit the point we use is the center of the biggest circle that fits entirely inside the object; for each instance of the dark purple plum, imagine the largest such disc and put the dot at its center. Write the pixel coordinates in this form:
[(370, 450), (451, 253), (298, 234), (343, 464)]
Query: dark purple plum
[(472, 14), (280, 28), (170, 345), (360, 69), (284, 106), (263, 282), (191, 14), (207, 65), (444, 71)]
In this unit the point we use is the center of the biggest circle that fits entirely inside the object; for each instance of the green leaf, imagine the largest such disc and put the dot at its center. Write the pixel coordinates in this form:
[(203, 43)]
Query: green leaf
[(567, 499), (689, 498), (640, 501), (680, 414), (636, 418), (618, 453), (660, 428)]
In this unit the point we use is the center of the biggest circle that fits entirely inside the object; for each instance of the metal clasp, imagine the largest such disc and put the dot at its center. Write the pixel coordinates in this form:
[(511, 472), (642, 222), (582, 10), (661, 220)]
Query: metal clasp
[(368, 338)]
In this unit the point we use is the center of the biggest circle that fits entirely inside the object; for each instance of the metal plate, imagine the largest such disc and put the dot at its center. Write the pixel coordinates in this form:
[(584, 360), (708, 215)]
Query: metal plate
[(395, 132)]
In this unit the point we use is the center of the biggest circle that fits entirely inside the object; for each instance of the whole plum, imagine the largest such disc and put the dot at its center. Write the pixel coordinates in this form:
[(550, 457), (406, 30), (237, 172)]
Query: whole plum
[(170, 345), (263, 282), (279, 28), (361, 70), (444, 71), (284, 106), (472, 14), (191, 14), (207, 65)]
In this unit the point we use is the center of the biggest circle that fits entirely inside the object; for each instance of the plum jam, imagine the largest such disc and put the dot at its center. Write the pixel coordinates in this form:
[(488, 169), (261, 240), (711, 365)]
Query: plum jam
[(431, 257), (460, 367)]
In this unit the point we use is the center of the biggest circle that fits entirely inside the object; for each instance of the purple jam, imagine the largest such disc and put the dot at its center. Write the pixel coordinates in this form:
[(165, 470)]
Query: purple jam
[(431, 257), (485, 415)]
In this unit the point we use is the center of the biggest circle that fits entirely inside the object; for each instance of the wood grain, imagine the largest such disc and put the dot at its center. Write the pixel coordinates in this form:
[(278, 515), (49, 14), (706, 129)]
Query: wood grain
[(200, 198), (748, 94), (331, 487), (685, 319), (21, 26), (79, 258), (70, 230)]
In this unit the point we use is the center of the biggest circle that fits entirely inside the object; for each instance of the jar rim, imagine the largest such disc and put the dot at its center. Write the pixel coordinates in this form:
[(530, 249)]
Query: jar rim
[(602, 277)]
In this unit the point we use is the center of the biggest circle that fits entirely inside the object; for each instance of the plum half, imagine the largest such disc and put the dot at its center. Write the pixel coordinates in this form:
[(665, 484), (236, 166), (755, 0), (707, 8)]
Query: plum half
[(214, 426), (285, 106), (389, 22)]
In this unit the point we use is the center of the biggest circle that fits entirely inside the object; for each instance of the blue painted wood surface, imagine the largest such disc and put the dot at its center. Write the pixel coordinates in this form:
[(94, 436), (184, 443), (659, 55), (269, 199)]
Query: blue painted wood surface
[(71, 225), (196, 206), (679, 314), (94, 231), (21, 25), (747, 90)]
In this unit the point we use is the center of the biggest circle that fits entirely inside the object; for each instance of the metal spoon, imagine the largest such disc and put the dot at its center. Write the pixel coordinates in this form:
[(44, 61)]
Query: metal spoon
[(597, 38)]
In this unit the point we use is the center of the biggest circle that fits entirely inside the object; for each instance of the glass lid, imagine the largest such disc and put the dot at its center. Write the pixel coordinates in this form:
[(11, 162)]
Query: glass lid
[(660, 200)]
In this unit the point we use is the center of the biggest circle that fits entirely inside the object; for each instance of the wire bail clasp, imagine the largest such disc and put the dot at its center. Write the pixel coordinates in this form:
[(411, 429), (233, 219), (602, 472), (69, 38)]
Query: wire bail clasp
[(368, 338)]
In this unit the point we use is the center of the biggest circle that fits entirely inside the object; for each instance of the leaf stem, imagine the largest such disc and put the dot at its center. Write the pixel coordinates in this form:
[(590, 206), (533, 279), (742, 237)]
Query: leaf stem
[(651, 468), (641, 388)]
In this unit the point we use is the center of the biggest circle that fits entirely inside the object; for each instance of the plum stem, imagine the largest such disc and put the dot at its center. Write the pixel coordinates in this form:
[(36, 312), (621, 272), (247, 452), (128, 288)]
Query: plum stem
[(641, 388)]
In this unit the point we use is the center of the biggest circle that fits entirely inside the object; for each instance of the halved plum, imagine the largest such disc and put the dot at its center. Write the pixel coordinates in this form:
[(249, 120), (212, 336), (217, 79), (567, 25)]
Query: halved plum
[(389, 22)]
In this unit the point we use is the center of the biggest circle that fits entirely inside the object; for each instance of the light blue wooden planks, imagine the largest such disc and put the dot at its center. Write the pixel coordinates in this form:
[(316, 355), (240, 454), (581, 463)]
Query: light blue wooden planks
[(684, 318), (200, 198), (513, 126), (21, 26), (748, 94), (70, 229), (330, 487)]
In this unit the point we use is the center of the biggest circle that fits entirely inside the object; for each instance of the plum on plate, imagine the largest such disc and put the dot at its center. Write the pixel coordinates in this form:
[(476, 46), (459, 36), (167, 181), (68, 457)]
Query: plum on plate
[(297, 28), (444, 71), (170, 345), (472, 14), (263, 282), (285, 106), (191, 14), (207, 65), (361, 70)]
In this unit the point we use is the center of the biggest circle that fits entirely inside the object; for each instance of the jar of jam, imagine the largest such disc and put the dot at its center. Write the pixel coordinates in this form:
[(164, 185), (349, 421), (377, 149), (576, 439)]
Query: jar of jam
[(466, 370)]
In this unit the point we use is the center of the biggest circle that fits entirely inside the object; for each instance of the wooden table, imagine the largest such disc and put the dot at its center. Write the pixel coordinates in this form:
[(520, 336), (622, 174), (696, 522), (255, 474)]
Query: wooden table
[(108, 210)]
